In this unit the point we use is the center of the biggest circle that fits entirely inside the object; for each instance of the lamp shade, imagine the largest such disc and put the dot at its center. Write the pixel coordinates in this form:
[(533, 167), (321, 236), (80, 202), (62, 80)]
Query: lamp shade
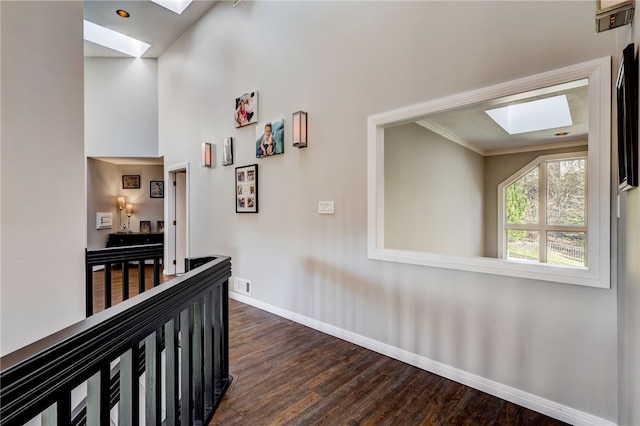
[(121, 203), (129, 209), (300, 129)]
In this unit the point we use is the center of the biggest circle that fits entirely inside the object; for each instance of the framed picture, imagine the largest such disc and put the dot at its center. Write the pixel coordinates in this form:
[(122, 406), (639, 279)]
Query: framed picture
[(130, 181), (145, 226), (160, 226), (270, 138), (104, 220), (227, 152), (247, 189), (156, 189), (627, 100), (246, 109)]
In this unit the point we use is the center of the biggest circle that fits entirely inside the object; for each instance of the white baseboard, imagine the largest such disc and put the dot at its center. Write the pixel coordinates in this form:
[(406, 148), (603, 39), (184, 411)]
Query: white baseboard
[(508, 393)]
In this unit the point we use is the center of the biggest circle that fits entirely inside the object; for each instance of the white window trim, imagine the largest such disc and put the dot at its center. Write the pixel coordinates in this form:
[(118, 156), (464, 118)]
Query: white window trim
[(599, 179), (542, 227)]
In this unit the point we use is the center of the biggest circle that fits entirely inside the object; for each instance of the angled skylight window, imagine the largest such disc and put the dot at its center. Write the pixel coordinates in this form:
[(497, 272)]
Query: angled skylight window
[(542, 114), (177, 6), (114, 40)]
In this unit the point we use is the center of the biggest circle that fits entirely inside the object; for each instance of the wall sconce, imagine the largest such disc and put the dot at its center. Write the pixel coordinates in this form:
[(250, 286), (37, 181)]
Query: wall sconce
[(300, 129), (129, 210), (206, 154), (121, 203)]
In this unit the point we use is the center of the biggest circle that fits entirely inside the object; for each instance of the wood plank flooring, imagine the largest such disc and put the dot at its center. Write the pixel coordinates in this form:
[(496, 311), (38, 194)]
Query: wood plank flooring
[(286, 373)]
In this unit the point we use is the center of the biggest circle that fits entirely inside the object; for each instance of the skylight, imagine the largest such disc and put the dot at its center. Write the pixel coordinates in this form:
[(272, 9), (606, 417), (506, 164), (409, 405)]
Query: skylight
[(114, 40), (177, 6), (542, 114)]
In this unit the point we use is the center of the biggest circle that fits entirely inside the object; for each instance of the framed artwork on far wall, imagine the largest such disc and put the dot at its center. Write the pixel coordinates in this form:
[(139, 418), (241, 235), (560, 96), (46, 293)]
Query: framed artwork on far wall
[(156, 189), (247, 189), (246, 109), (160, 226), (145, 226), (130, 181)]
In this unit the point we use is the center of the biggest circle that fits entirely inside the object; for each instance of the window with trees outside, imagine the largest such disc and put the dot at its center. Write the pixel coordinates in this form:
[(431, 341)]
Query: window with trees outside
[(543, 211)]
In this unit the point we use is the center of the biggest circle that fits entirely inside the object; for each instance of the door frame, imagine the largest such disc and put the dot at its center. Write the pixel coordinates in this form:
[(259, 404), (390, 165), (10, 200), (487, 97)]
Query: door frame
[(170, 214)]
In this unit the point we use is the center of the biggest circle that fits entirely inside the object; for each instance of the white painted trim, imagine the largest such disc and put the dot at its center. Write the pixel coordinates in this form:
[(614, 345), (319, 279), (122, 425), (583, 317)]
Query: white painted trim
[(508, 393), (169, 213), (599, 165)]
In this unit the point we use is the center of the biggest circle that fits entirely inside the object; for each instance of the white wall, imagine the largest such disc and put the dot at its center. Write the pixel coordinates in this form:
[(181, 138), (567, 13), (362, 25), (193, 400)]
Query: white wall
[(629, 278), (121, 107), (433, 190), (43, 225), (341, 62)]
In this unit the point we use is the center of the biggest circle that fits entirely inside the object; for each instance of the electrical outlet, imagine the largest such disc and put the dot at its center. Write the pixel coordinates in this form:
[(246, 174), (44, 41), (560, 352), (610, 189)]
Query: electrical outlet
[(326, 207)]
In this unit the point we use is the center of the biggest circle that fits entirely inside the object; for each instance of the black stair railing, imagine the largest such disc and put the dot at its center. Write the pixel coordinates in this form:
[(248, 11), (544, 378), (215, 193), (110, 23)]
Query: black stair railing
[(121, 257), (180, 328)]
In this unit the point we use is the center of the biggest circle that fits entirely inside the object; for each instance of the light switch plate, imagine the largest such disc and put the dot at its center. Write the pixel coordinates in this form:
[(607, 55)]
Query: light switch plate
[(326, 207)]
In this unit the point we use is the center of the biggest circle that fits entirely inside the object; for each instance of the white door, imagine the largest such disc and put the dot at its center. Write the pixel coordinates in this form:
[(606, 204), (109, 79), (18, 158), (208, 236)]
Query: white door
[(180, 221), (177, 213)]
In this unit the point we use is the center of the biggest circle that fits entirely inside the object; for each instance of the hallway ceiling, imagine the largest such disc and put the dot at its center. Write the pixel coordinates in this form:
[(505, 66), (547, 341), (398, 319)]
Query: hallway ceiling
[(149, 22)]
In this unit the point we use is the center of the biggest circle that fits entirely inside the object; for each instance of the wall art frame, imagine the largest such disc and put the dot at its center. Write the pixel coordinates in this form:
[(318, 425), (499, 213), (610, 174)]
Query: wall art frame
[(227, 151), (270, 138), (145, 226), (156, 189), (246, 109), (246, 189), (130, 181)]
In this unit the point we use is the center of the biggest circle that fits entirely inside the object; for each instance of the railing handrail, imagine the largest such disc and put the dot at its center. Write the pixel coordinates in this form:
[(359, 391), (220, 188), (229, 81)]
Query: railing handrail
[(32, 376), (102, 256)]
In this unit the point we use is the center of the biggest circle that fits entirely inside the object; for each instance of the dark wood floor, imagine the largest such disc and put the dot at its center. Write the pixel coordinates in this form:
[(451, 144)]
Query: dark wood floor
[(286, 373)]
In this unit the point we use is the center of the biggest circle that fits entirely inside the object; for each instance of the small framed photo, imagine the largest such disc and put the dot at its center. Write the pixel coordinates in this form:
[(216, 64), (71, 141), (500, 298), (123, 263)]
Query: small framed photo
[(160, 226), (227, 151), (130, 181), (104, 220), (270, 138), (156, 189), (145, 226), (247, 189), (246, 110)]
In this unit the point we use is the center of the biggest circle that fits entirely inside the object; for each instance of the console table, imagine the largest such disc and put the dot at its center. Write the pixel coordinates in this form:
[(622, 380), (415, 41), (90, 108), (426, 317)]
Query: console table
[(118, 239)]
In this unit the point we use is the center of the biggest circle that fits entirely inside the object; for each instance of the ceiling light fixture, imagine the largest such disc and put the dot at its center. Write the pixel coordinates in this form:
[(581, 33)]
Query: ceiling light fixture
[(122, 13), (561, 134), (176, 6), (114, 40), (541, 114)]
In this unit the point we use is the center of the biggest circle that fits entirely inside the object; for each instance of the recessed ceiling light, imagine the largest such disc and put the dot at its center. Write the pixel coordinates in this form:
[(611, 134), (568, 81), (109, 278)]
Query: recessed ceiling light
[(177, 6), (114, 40), (122, 13), (542, 114)]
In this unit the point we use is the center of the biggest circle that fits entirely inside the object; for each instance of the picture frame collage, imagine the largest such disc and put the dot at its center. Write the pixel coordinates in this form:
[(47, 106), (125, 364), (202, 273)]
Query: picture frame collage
[(246, 189), (269, 141)]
